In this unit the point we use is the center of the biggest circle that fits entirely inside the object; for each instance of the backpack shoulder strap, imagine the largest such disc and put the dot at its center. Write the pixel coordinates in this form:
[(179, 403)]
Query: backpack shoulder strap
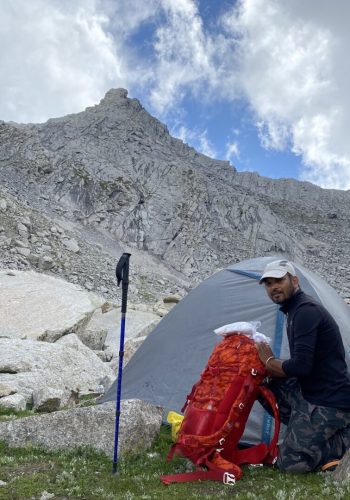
[(270, 398), (262, 453)]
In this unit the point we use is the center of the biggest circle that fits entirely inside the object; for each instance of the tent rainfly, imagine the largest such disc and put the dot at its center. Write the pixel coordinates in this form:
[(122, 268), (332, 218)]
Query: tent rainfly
[(169, 362)]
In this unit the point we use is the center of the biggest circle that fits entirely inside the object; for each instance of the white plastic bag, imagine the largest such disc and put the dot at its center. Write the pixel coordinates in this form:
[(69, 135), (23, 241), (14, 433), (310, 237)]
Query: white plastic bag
[(244, 328)]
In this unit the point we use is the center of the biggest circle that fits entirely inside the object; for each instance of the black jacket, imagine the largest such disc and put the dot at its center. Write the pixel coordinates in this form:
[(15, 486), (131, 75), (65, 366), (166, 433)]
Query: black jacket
[(317, 355)]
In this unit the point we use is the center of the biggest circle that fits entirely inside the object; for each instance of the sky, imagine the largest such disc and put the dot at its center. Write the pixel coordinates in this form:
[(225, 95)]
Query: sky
[(260, 83)]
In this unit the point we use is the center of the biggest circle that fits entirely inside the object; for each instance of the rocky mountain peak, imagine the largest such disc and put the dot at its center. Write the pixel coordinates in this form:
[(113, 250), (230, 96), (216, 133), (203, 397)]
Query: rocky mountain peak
[(114, 176), (114, 96)]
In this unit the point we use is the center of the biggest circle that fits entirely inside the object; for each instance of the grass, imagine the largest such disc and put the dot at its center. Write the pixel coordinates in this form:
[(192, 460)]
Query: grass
[(8, 414), (84, 473)]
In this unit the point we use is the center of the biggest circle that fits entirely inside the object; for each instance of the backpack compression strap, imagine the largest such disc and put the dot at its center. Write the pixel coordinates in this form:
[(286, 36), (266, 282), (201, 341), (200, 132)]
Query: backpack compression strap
[(226, 477), (219, 469)]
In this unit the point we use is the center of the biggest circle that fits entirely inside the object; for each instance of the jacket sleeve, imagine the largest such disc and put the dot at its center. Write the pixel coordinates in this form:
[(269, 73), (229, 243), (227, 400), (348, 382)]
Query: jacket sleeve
[(306, 322)]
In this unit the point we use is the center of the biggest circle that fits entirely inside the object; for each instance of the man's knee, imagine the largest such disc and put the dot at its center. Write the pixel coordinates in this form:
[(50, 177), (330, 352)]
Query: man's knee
[(296, 461), (294, 467), (296, 456)]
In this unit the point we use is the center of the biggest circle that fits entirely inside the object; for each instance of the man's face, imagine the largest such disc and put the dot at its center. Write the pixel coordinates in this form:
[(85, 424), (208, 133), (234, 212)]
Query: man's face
[(281, 289)]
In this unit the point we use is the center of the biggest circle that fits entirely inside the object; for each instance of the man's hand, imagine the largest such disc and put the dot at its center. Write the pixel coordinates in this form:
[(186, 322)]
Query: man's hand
[(264, 351), (272, 364)]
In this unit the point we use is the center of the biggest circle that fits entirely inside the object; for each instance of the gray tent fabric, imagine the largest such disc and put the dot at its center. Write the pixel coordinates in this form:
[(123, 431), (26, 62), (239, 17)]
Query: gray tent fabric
[(169, 362)]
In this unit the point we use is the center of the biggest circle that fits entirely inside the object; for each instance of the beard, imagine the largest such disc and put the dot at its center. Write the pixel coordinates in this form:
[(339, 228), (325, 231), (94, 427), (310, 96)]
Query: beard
[(281, 296)]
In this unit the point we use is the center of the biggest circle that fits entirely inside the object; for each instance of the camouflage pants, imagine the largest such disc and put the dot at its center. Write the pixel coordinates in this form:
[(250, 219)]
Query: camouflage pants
[(314, 436)]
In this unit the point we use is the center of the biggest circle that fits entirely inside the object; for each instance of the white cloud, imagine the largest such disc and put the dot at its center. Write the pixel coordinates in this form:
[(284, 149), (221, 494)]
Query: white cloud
[(292, 73), (190, 59), (205, 145), (232, 151), (286, 59), (57, 57), (198, 139), (182, 54)]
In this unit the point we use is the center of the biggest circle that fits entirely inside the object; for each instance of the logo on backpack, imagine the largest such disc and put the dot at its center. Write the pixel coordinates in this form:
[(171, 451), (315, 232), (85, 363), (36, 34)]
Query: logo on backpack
[(229, 478)]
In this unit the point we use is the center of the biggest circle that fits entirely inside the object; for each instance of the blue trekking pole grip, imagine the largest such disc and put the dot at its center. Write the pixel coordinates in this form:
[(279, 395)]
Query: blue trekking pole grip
[(122, 274)]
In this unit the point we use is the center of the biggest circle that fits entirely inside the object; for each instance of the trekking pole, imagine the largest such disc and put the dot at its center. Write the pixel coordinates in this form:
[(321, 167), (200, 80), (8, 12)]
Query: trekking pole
[(122, 274)]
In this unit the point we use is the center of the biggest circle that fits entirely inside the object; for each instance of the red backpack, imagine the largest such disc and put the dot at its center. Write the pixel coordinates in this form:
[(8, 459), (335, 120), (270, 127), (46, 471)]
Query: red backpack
[(217, 410)]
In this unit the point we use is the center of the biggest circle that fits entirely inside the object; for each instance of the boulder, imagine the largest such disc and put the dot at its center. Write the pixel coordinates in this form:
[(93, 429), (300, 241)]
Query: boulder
[(137, 324), (15, 402), (94, 339), (105, 356), (71, 245), (162, 307), (342, 472), (50, 376), (6, 390), (172, 299), (131, 346), (47, 399), (91, 426), (36, 306)]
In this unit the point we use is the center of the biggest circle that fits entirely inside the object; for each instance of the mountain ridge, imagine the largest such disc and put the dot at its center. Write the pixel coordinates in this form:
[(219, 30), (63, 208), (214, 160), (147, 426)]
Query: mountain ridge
[(115, 172)]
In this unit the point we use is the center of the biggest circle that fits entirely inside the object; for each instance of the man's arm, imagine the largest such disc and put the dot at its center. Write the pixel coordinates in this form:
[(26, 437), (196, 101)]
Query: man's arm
[(273, 365), (306, 322)]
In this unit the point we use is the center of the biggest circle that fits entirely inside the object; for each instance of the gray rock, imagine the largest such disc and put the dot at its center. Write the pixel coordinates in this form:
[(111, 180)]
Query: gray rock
[(47, 399), (6, 390), (137, 323), (45, 495), (26, 222), (342, 472), (91, 426), (5, 242), (171, 299), (15, 402), (22, 228), (131, 346), (106, 356), (162, 308), (94, 339), (71, 245), (45, 263), (39, 370), (23, 251), (42, 307)]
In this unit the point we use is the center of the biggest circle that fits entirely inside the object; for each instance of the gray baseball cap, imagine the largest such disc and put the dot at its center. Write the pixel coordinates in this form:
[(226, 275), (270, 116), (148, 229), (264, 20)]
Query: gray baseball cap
[(277, 269)]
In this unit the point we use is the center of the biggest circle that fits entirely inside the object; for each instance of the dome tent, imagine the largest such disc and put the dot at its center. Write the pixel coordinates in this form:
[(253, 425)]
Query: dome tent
[(169, 362)]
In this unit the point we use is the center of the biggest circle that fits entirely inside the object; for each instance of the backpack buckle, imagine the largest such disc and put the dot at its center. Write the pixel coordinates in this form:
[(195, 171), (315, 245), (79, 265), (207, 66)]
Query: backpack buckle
[(221, 442), (254, 372), (241, 406), (229, 478)]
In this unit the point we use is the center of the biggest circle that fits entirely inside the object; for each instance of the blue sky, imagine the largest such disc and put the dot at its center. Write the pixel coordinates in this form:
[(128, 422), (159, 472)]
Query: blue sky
[(261, 83)]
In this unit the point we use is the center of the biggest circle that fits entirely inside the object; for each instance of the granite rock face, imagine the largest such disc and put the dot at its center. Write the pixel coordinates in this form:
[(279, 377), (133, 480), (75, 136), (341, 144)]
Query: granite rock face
[(42, 307), (342, 472), (50, 376), (58, 342), (78, 190)]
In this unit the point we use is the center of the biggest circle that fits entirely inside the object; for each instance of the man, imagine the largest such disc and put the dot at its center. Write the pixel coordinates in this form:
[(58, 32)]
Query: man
[(313, 386)]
